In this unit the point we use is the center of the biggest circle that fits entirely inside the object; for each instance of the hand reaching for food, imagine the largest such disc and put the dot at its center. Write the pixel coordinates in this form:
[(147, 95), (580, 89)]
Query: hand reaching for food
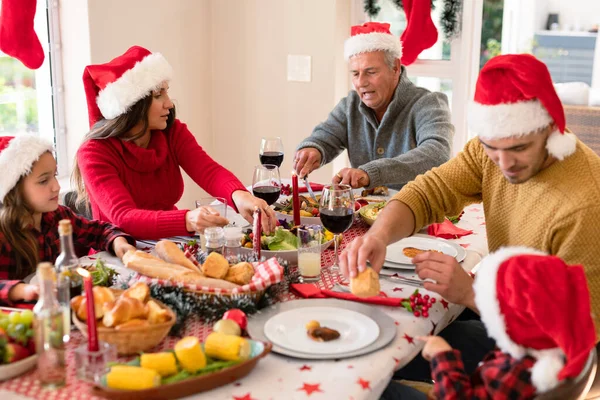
[(203, 217), (433, 346)]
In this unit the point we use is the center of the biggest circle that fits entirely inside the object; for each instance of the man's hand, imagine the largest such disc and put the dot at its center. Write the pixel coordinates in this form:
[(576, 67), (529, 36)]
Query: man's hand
[(121, 246), (433, 346), (452, 282), (245, 203), (354, 177), (362, 249), (306, 161)]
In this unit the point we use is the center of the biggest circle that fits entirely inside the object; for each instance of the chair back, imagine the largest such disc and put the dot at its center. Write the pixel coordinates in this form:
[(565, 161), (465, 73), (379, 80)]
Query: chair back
[(576, 388)]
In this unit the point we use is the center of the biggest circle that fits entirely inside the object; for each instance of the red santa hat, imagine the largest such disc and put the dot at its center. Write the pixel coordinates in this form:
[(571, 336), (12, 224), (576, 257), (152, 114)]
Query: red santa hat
[(371, 36), (17, 156), (514, 96), (112, 88), (535, 304)]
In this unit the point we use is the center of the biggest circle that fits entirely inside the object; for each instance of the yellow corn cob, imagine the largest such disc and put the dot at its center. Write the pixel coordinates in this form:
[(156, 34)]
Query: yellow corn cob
[(190, 354), (226, 347), (127, 377), (163, 363)]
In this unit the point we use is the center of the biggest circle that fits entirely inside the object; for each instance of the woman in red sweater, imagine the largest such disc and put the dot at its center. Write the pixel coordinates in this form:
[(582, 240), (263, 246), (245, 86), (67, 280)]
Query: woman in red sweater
[(128, 166)]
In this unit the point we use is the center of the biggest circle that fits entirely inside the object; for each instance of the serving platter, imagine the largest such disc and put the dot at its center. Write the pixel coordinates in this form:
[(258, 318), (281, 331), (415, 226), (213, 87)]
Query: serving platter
[(387, 327)]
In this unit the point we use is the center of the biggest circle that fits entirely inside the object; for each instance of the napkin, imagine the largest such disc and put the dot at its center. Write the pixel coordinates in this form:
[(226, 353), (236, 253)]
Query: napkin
[(310, 291), (447, 230), (316, 187)]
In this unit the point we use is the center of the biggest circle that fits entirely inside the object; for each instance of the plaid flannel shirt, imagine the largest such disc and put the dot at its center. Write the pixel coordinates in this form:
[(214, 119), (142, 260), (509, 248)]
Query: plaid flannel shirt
[(87, 234), (498, 377)]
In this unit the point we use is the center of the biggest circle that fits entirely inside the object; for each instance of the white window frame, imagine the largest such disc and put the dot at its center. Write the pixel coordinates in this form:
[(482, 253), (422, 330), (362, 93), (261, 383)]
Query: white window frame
[(462, 68)]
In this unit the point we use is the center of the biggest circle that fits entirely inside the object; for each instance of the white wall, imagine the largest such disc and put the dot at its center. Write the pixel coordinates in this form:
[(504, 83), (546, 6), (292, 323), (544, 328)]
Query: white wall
[(577, 14)]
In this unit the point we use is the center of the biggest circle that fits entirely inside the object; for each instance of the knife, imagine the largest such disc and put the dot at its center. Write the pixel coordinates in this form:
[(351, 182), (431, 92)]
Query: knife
[(310, 191)]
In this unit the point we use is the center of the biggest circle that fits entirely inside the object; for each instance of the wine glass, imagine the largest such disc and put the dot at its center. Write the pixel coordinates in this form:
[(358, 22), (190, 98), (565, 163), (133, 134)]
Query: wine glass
[(271, 151), (266, 183), (336, 208)]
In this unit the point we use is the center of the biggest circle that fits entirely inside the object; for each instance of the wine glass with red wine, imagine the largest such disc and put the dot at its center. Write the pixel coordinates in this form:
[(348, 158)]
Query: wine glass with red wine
[(271, 151), (266, 183), (336, 208)]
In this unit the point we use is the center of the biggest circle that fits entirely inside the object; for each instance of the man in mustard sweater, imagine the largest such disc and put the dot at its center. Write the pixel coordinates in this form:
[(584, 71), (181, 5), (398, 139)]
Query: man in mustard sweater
[(540, 187)]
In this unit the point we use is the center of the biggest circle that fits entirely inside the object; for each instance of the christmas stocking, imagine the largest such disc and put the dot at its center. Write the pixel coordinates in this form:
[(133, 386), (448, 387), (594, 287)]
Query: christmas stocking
[(17, 37), (420, 32)]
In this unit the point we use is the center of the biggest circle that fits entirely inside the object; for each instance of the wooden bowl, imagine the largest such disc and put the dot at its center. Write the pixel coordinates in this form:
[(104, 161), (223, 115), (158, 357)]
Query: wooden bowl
[(134, 340), (192, 385)]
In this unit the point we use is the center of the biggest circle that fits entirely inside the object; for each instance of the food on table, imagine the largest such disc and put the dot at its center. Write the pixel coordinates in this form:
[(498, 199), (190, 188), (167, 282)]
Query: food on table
[(228, 327), (16, 336), (226, 347), (238, 316), (365, 284), (376, 191), (127, 377), (154, 267), (171, 253), (139, 291), (215, 266), (124, 309), (164, 363), (102, 275), (282, 239), (419, 305), (102, 295), (156, 314), (372, 211), (132, 324), (308, 206), (411, 252), (240, 273), (322, 334), (312, 324), (189, 354)]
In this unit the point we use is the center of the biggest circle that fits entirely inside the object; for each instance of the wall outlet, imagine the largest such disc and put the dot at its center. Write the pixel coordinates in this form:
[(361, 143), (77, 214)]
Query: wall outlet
[(298, 68)]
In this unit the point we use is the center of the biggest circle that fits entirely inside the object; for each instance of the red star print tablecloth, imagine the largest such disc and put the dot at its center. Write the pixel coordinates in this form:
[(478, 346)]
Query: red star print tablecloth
[(279, 377)]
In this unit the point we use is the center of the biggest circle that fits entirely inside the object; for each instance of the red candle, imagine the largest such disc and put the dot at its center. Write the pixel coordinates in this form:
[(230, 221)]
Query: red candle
[(91, 311), (295, 199), (257, 231)]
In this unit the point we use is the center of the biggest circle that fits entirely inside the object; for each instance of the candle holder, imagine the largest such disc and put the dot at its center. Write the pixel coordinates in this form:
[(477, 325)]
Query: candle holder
[(90, 366)]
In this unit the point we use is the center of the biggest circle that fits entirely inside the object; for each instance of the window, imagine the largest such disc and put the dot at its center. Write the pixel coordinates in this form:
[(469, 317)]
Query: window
[(30, 100)]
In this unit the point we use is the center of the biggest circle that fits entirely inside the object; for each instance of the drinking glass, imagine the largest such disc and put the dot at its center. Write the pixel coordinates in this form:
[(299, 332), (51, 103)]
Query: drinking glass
[(309, 253), (336, 208), (271, 151), (219, 204), (266, 183)]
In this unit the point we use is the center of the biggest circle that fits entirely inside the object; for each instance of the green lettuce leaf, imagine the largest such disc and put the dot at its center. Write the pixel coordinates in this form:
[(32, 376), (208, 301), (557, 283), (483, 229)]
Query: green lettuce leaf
[(281, 240)]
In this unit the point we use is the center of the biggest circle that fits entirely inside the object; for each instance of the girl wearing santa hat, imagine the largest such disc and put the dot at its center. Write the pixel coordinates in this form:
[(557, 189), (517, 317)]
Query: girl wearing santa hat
[(129, 166), (30, 214)]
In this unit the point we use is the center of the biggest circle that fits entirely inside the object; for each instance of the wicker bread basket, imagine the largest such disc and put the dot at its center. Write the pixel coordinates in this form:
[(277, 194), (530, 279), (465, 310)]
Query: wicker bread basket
[(133, 340)]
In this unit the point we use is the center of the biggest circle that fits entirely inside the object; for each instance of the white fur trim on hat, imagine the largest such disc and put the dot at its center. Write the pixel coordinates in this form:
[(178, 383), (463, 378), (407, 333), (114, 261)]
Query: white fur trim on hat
[(374, 41), (561, 145), (135, 84), (544, 373), (501, 121), (17, 159)]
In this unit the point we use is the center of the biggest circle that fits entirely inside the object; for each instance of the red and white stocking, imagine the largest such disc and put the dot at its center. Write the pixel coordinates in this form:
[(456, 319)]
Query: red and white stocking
[(17, 37), (420, 32)]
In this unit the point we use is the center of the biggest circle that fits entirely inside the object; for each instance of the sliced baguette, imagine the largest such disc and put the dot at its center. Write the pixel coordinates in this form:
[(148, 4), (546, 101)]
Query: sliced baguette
[(171, 253)]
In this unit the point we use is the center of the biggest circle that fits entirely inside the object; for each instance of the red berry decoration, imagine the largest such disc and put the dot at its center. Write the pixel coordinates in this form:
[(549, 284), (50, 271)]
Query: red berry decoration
[(417, 304), (238, 316), (417, 314), (432, 300)]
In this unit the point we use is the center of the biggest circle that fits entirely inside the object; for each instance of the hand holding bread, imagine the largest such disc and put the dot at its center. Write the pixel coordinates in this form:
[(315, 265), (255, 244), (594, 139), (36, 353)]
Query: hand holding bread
[(365, 284)]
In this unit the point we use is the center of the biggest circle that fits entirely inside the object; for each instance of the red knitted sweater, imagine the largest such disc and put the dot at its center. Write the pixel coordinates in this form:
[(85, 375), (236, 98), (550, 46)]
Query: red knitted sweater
[(136, 188)]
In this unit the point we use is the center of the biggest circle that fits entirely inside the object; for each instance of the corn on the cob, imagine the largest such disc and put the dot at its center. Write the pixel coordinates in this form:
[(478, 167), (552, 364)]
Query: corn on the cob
[(163, 363), (226, 347), (127, 377), (190, 354)]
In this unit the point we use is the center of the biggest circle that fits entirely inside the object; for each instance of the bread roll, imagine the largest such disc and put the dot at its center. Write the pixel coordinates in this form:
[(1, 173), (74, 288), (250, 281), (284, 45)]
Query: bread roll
[(171, 253), (132, 324), (156, 314), (154, 267), (138, 290), (215, 266), (366, 283), (101, 295), (125, 308), (240, 273)]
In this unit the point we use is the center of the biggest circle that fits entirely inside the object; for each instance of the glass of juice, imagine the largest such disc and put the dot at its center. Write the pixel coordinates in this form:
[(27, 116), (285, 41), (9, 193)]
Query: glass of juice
[(309, 253)]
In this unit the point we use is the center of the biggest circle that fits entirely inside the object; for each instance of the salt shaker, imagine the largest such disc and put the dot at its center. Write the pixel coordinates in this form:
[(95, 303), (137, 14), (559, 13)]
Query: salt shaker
[(215, 239), (233, 240)]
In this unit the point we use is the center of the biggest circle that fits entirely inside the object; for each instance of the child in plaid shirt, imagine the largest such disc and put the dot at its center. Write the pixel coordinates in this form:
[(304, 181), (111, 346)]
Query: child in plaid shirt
[(30, 214), (529, 304)]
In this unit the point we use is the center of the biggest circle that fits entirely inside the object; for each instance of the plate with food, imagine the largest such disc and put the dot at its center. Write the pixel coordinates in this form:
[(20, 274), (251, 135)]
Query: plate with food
[(283, 243), (17, 347), (402, 252), (102, 272), (309, 209), (190, 367), (321, 330)]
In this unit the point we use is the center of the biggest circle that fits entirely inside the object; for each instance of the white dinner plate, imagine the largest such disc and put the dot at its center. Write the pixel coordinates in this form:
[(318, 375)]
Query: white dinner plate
[(119, 269), (395, 255), (288, 330)]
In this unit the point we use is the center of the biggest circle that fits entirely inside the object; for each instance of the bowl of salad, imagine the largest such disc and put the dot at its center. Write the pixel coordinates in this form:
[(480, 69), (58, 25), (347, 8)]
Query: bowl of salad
[(282, 243)]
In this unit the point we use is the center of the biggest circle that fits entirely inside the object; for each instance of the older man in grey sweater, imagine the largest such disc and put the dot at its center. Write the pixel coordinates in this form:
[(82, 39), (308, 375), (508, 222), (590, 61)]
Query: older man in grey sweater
[(392, 129)]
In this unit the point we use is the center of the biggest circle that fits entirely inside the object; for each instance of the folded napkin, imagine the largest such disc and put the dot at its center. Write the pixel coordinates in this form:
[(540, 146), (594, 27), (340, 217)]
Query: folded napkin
[(310, 291), (447, 230), (316, 187)]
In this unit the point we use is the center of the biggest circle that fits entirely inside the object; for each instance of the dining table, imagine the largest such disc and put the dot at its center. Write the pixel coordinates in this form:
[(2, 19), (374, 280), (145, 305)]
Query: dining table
[(283, 377)]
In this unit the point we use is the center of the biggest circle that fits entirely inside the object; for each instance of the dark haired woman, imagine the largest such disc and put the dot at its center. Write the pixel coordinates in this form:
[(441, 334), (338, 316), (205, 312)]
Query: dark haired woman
[(128, 166)]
